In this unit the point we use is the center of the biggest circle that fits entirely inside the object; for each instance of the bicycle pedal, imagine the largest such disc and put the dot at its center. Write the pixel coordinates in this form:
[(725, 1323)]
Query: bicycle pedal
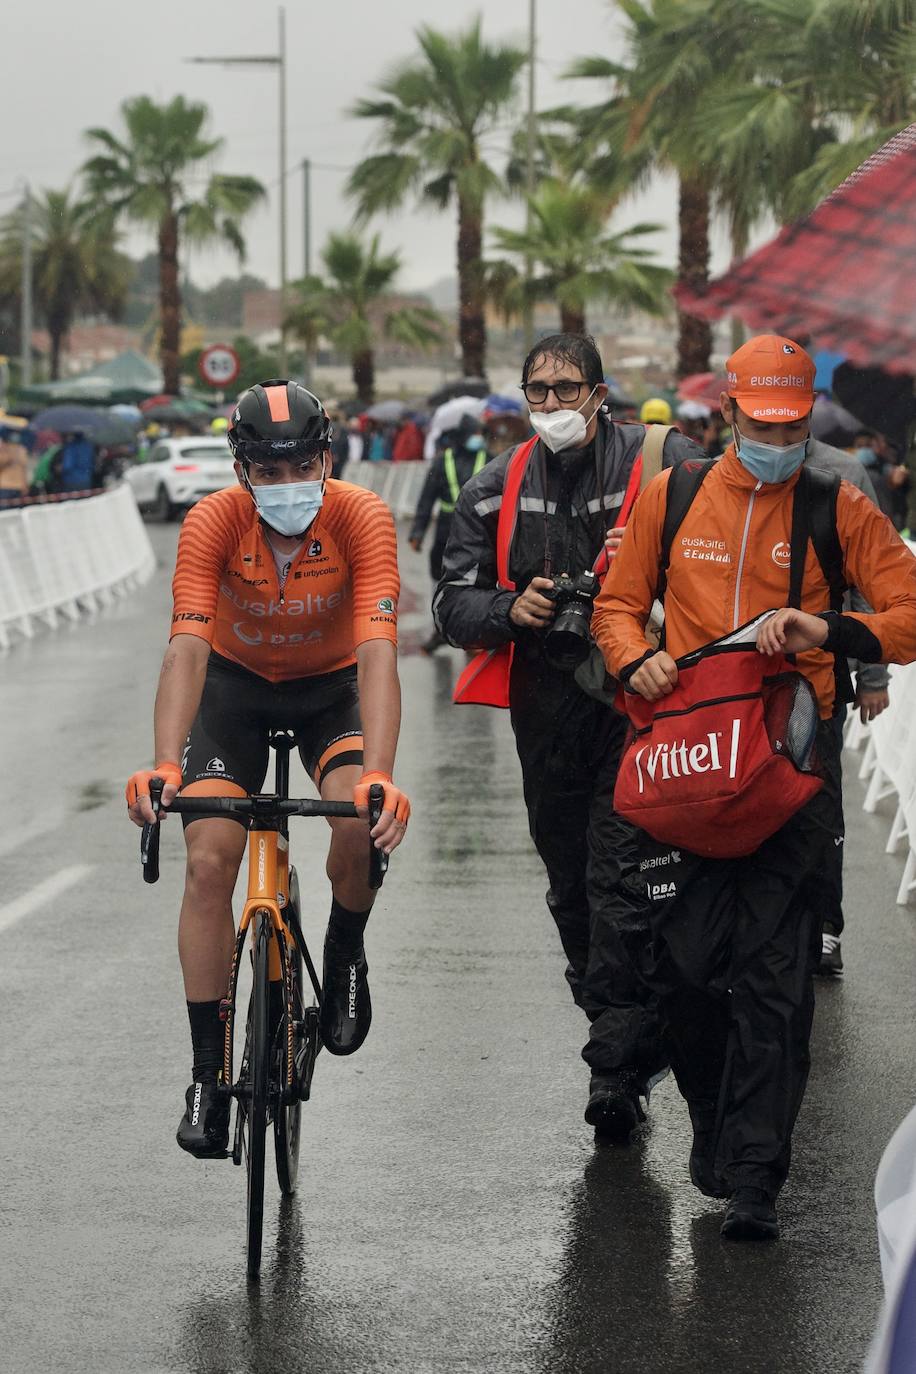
[(225, 1007)]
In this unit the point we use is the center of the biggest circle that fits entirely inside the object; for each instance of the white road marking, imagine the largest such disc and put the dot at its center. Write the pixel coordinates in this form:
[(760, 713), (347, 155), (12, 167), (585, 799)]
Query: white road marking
[(52, 886)]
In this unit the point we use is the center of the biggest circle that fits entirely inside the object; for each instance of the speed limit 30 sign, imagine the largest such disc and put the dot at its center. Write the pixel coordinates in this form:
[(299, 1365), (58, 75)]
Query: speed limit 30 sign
[(219, 365)]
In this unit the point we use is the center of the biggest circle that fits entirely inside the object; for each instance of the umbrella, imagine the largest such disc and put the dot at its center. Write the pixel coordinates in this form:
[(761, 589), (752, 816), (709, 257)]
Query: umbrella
[(705, 387), (98, 425), (844, 274), (186, 405), (883, 403), (175, 413), (499, 404), (448, 416), (832, 423), (127, 412), (617, 398), (693, 410), (826, 364), (387, 412), (462, 386)]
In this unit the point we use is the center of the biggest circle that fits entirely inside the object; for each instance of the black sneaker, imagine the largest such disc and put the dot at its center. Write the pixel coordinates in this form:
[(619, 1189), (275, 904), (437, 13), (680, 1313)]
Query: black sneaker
[(702, 1162), (613, 1107), (830, 964), (346, 1008), (204, 1128), (751, 1215)]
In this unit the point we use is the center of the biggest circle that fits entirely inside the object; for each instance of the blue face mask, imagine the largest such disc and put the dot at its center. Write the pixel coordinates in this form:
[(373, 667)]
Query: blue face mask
[(768, 462), (474, 443), (866, 456), (288, 507)]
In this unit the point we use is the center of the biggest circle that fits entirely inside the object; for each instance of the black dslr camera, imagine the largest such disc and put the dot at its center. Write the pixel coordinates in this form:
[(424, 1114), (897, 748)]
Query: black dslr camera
[(567, 641)]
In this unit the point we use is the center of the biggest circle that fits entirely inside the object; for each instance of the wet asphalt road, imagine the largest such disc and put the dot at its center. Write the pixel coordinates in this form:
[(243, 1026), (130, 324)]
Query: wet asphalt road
[(453, 1212)]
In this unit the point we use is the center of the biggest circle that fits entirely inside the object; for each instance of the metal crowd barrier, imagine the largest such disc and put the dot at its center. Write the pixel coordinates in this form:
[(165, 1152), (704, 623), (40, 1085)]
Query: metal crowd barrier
[(398, 484), (58, 560)]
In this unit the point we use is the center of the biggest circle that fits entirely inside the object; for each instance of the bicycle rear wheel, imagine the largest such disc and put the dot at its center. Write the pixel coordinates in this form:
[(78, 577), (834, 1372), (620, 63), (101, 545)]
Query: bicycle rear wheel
[(258, 1054), (287, 1122)]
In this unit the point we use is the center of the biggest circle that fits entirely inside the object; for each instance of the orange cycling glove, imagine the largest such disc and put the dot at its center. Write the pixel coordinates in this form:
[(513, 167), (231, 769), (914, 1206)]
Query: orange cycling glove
[(395, 799), (138, 784)]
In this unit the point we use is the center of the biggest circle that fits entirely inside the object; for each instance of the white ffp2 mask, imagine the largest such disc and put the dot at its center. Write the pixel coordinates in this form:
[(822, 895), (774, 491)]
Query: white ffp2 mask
[(561, 429)]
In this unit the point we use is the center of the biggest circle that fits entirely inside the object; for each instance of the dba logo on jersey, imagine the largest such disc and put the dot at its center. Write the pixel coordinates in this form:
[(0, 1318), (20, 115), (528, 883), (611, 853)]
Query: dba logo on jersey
[(782, 555)]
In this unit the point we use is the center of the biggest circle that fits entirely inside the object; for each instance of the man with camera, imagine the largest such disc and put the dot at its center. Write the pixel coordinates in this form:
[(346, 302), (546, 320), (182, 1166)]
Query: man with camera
[(567, 501)]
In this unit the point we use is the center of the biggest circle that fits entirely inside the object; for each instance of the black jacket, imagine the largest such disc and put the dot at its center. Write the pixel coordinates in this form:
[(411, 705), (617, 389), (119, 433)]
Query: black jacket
[(436, 488), (585, 491)]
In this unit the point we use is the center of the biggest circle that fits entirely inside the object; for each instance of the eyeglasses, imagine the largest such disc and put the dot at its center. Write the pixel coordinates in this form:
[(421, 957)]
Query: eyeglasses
[(536, 392), (306, 468)]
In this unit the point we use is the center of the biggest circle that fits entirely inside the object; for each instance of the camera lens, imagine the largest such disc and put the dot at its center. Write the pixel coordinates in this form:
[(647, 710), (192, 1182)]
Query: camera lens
[(567, 641)]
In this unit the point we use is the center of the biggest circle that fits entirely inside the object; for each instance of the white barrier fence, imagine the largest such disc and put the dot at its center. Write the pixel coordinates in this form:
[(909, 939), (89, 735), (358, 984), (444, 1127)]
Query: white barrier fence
[(64, 559), (398, 484), (889, 766)]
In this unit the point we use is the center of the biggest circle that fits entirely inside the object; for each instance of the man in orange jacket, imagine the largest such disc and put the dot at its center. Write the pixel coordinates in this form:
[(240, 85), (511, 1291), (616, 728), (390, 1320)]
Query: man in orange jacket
[(735, 941)]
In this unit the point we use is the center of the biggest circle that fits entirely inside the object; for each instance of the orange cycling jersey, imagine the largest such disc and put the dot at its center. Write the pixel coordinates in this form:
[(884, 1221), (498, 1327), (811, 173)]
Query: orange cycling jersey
[(341, 590)]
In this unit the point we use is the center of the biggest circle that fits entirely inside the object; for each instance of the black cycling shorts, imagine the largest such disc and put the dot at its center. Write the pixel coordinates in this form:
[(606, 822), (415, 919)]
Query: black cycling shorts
[(228, 742)]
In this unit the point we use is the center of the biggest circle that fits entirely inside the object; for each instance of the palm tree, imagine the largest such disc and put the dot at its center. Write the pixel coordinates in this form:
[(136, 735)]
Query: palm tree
[(353, 301), (651, 115), (579, 260), (76, 265), (872, 97), (146, 176), (435, 116)]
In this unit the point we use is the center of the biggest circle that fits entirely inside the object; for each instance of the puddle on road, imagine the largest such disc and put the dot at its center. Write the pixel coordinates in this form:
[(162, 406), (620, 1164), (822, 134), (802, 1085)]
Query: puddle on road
[(95, 794)]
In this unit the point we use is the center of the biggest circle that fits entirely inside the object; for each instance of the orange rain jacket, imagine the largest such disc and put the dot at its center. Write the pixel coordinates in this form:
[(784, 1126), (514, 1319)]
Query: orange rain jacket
[(730, 563)]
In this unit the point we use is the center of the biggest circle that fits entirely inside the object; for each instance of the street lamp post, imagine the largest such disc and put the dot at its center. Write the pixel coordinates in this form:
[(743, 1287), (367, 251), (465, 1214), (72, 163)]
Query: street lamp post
[(279, 62), (528, 317), (307, 245)]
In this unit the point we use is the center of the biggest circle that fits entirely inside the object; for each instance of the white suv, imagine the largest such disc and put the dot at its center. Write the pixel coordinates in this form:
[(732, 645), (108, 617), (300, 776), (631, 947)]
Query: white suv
[(179, 472)]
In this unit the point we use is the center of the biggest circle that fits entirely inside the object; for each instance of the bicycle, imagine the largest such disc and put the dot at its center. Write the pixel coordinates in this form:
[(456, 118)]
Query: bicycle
[(280, 1050)]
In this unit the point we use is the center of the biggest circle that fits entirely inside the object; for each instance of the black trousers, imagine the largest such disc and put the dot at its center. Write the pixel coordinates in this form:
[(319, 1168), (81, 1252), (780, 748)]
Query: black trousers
[(735, 943), (830, 895), (569, 747)]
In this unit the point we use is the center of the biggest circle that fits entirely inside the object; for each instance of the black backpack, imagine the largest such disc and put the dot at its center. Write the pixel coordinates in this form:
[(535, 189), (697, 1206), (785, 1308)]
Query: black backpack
[(813, 517)]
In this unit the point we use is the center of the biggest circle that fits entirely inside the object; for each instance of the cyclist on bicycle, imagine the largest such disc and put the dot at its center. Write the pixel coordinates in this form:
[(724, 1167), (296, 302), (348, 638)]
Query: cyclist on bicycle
[(285, 617)]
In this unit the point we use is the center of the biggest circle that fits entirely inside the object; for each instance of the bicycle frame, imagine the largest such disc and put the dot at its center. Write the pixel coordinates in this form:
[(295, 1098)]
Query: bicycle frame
[(268, 892)]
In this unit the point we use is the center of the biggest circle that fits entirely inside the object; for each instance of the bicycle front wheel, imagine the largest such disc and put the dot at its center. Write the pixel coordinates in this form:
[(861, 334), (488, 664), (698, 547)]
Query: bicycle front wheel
[(259, 1069), (287, 1121)]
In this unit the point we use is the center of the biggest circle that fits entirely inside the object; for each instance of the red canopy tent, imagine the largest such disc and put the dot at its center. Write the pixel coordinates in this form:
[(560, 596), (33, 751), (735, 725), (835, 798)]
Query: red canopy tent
[(846, 274)]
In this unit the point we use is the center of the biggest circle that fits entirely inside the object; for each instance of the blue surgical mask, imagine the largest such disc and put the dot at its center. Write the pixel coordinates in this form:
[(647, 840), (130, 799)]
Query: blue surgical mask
[(768, 462), (288, 507), (474, 443), (866, 456)]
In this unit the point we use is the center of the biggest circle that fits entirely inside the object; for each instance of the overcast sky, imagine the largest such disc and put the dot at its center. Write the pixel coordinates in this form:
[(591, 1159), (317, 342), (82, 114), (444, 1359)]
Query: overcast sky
[(67, 68)]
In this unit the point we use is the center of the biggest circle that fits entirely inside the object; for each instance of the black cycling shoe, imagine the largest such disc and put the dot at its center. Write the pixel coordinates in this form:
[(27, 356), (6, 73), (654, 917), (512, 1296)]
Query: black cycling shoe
[(613, 1107), (346, 1007), (751, 1215), (204, 1128)]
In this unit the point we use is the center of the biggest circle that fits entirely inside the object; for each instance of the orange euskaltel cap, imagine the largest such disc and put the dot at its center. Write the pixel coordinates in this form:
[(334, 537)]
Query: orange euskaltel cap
[(772, 379)]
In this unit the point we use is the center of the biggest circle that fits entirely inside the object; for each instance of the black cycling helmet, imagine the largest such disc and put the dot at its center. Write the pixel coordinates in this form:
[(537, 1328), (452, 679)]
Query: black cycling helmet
[(278, 419)]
